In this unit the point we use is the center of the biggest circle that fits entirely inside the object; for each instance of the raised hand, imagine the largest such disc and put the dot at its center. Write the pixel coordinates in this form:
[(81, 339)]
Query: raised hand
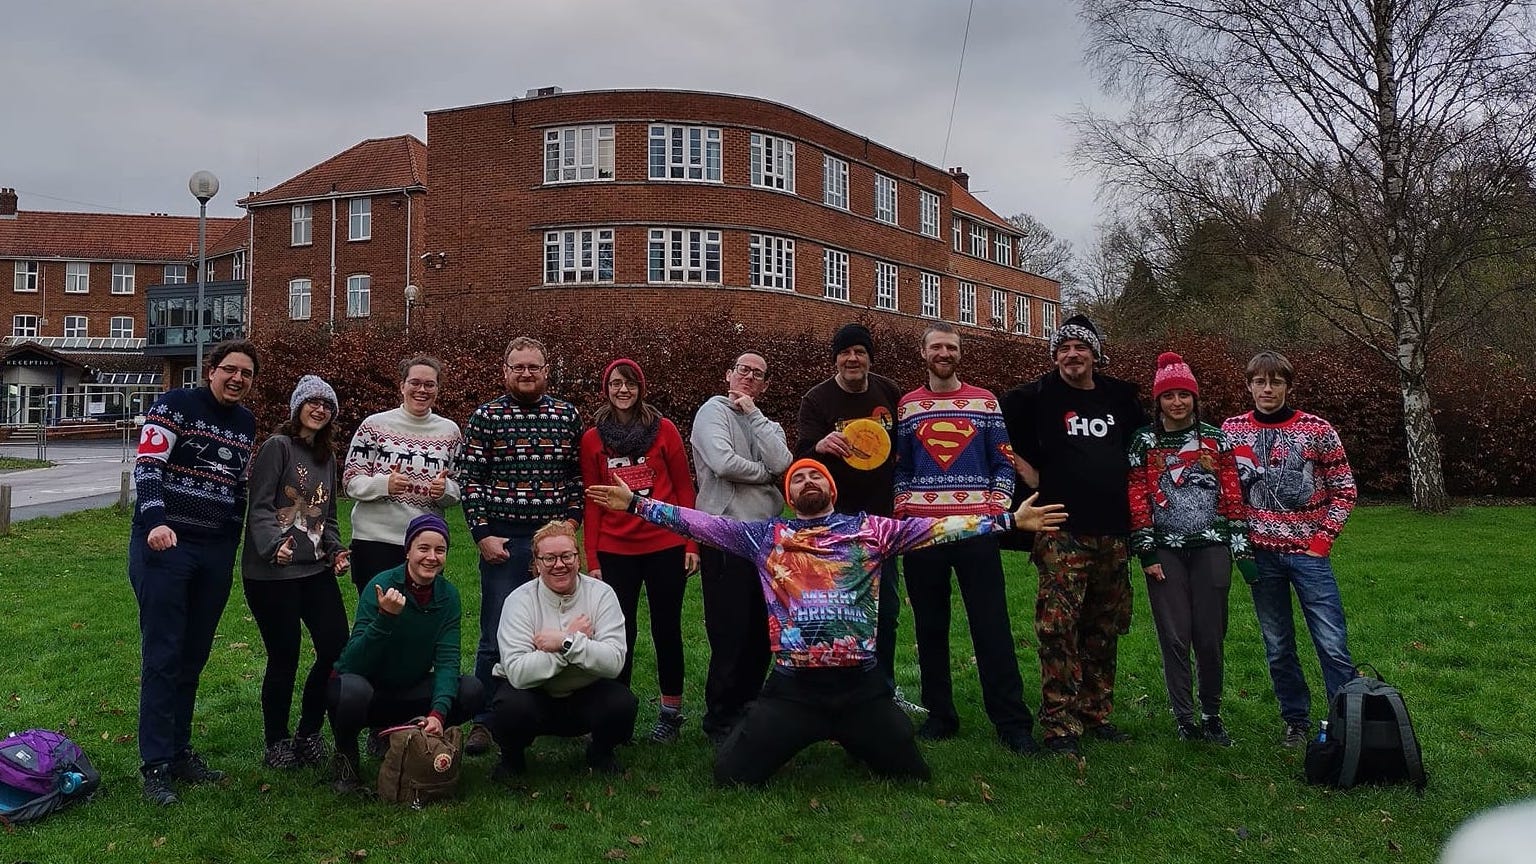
[(343, 561), (1031, 518), (741, 403), (834, 444), (438, 486), (399, 484), (284, 554), (615, 497), (391, 601)]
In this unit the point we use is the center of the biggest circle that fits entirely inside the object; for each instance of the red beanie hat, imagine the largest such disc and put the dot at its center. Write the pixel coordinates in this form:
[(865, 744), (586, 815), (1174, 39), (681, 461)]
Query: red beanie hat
[(1173, 374), (622, 361), (810, 463)]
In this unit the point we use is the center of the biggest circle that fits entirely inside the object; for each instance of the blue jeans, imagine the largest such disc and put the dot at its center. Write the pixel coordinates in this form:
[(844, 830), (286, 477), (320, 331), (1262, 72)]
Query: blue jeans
[(496, 582), (1323, 609)]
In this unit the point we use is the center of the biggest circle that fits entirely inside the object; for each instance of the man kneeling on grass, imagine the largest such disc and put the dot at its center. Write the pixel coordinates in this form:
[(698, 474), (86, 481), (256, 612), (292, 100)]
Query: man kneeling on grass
[(820, 575), (561, 641)]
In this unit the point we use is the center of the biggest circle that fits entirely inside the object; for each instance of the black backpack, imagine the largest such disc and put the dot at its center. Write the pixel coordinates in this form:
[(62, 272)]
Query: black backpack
[(1369, 737)]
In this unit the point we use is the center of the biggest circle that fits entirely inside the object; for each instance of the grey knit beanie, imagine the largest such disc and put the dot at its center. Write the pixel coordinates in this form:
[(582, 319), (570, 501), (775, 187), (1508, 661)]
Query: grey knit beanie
[(311, 387)]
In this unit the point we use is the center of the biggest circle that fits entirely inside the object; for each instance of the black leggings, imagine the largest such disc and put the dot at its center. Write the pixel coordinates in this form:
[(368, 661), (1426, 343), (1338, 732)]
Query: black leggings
[(661, 573), (279, 607)]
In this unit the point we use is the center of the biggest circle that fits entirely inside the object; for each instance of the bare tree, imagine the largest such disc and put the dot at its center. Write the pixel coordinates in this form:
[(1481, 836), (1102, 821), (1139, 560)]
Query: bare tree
[(1390, 136), (1041, 252)]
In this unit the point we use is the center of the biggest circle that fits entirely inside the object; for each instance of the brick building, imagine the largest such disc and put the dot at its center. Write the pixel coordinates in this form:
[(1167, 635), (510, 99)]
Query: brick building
[(660, 203), (74, 312)]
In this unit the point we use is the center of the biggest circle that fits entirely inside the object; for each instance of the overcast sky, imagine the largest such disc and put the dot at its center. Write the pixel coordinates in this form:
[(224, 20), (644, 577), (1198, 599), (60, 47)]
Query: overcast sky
[(112, 106)]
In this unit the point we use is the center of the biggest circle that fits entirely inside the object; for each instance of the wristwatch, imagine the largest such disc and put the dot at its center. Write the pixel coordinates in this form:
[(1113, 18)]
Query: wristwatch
[(566, 645)]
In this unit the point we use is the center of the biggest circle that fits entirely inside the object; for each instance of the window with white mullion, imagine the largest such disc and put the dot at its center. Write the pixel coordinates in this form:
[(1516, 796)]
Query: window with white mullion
[(684, 153), (122, 278), (26, 277), (122, 327), (978, 240), (772, 263), (1002, 249), (684, 255), (885, 285), (928, 221), (930, 296), (301, 225), (957, 233), (835, 283), (24, 326), (578, 256), (76, 326), (1048, 316), (175, 274), (298, 299), (77, 277), (573, 154), (359, 295), (834, 182), (999, 310), (967, 303), (1021, 314), (885, 199), (360, 219), (773, 162)]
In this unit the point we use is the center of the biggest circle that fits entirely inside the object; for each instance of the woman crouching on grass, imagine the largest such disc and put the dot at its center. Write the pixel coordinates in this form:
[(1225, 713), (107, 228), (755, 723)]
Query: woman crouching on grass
[(292, 556), (1188, 525), (402, 661), (630, 440)]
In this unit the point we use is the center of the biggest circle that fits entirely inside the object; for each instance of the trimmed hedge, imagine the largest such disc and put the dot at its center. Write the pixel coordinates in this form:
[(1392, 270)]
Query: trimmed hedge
[(1484, 414)]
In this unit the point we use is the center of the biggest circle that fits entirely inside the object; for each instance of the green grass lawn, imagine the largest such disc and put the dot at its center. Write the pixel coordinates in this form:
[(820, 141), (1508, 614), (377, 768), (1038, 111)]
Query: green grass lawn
[(16, 463), (1442, 606)]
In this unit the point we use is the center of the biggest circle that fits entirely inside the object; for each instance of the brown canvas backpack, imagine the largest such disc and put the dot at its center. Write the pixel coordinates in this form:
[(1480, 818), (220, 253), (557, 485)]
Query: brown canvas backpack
[(419, 768)]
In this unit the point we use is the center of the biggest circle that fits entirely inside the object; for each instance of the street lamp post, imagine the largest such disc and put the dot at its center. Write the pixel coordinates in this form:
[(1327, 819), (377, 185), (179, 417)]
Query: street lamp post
[(203, 187), (412, 296)]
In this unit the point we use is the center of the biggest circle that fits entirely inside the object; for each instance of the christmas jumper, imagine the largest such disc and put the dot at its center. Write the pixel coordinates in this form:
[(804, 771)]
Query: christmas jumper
[(820, 577), (827, 407), (521, 464), (1296, 480), (951, 454), (662, 473), (193, 455), (293, 497), (1184, 492), (421, 449)]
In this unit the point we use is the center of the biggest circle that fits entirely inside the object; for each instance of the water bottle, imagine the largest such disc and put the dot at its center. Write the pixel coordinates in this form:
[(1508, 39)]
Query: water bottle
[(1322, 732), (70, 782)]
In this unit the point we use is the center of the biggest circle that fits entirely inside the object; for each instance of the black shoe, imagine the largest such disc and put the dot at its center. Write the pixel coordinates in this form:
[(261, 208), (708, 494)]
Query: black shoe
[(603, 761), (190, 768), (937, 729), (479, 741), (310, 749), (158, 788), (281, 754), (1108, 732), (1189, 730), (1062, 745), (1296, 734), (344, 773), (669, 725), (510, 766), (1021, 743), (1215, 732)]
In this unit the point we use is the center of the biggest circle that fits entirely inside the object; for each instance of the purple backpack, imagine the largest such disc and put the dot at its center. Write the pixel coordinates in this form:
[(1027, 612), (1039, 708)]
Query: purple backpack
[(40, 772)]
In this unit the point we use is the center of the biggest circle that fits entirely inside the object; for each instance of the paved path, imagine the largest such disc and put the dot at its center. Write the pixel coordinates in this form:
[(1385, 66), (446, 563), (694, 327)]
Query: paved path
[(85, 475)]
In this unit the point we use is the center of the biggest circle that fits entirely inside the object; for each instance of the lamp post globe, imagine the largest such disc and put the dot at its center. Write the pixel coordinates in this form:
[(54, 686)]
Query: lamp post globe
[(203, 185), (412, 295)]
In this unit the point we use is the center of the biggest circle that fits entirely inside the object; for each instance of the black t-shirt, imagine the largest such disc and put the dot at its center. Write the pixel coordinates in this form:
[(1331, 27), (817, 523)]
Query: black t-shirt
[(826, 407), (1077, 440)]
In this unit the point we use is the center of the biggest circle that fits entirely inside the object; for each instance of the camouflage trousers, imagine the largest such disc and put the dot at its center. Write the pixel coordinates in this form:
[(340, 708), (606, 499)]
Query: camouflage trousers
[(1083, 606)]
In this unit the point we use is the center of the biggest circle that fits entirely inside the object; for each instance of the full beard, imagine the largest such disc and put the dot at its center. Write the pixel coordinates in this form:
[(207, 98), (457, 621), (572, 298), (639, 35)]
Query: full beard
[(812, 501)]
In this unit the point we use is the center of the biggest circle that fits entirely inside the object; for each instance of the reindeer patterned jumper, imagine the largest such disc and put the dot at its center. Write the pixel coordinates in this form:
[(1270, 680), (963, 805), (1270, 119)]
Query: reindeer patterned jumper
[(292, 498), (1184, 492)]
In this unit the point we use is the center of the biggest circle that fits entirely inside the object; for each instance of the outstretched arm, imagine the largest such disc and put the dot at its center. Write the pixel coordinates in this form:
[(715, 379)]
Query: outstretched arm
[(739, 538), (918, 532)]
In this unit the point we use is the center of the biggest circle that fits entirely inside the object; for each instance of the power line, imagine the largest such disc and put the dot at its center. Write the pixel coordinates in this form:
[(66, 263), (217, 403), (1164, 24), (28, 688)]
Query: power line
[(944, 159), (31, 194)]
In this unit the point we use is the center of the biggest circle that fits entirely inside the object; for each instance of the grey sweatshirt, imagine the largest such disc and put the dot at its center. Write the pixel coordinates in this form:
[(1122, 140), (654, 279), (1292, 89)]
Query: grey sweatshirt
[(738, 458), (291, 497)]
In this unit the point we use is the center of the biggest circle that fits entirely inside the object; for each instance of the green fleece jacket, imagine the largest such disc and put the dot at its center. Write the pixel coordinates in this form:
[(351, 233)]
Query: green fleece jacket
[(396, 651)]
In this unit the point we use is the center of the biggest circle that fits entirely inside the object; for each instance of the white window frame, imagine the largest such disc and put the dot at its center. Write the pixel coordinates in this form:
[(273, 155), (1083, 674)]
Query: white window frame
[(1002, 248), (122, 278), (687, 153), (834, 283), (77, 326), (301, 225), (998, 309), (886, 281), (237, 265), (175, 274), (967, 303), (1021, 314), (77, 277), (28, 274), (359, 219), (885, 199), (932, 305), (683, 256), (213, 269), (772, 262), (359, 295), (1048, 316), (190, 378), (928, 213), (773, 162), (957, 230), (834, 182), (121, 330), (299, 293), (578, 154), (578, 255), (24, 326), (978, 240)]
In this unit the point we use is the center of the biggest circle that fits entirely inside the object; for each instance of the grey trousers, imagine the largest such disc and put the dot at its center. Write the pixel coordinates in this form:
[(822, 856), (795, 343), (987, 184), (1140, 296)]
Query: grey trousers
[(1190, 609)]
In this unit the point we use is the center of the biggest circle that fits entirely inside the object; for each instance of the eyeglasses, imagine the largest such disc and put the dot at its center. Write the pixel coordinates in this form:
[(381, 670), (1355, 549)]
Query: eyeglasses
[(746, 371), (562, 558), (420, 385), (236, 371), (621, 384), (319, 404), (525, 369)]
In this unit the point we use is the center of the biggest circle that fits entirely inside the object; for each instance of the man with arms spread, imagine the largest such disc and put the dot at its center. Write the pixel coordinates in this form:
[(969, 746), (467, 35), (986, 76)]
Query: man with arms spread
[(952, 460), (1070, 431), (193, 453), (521, 469), (819, 573), (737, 453), (1299, 489)]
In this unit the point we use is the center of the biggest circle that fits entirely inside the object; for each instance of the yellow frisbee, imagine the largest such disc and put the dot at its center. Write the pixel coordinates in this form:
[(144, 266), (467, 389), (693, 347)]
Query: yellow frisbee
[(870, 442)]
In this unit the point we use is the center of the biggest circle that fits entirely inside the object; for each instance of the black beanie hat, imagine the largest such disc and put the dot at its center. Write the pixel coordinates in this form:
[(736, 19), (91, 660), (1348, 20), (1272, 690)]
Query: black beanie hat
[(850, 335)]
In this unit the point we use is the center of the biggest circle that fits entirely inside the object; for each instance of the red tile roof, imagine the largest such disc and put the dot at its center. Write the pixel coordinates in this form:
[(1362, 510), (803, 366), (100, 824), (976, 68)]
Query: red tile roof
[(378, 163), (103, 236), (238, 235), (960, 198)]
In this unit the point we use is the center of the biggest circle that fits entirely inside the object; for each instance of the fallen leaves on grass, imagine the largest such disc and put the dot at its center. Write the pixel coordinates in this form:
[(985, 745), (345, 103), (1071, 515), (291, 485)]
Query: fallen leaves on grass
[(635, 840), (158, 842), (615, 854), (357, 854)]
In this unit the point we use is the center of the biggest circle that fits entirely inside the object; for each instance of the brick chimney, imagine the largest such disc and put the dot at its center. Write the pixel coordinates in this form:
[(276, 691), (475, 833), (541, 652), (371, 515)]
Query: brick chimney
[(961, 177), (7, 203)]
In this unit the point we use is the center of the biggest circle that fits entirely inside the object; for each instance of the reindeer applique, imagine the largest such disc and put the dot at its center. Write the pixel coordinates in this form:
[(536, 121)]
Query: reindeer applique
[(306, 512)]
